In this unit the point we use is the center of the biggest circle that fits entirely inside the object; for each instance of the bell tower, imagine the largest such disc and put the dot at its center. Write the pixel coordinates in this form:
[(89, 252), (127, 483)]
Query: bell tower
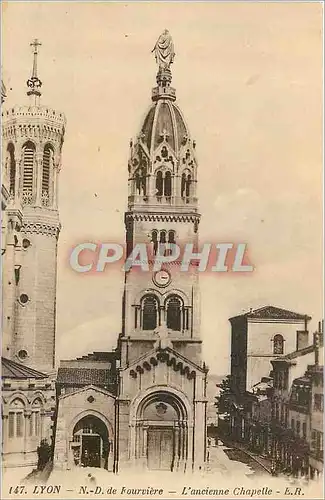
[(162, 208), (33, 136), (161, 405)]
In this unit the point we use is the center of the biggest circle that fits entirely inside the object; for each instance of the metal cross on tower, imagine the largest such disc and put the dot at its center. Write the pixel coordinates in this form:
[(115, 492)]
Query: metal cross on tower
[(34, 83)]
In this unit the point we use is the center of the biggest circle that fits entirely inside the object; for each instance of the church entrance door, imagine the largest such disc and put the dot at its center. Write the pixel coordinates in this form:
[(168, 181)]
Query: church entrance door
[(160, 448), (91, 452), (90, 445)]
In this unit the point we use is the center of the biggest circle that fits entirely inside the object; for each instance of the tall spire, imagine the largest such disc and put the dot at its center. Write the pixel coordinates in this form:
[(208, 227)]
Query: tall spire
[(164, 55), (34, 83)]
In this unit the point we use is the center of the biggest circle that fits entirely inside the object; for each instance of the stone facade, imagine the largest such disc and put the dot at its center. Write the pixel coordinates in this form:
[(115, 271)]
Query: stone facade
[(157, 407), (32, 138), (259, 336)]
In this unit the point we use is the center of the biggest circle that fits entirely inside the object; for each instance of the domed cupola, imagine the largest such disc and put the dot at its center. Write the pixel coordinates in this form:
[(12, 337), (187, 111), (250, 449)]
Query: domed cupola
[(164, 122), (162, 164)]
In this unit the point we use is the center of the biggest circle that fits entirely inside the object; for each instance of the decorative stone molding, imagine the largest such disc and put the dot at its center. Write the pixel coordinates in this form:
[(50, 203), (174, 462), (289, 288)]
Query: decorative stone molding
[(163, 356), (41, 228), (147, 217)]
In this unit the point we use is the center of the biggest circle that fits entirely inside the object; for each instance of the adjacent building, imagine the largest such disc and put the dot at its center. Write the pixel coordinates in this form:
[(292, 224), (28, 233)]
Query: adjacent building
[(258, 337)]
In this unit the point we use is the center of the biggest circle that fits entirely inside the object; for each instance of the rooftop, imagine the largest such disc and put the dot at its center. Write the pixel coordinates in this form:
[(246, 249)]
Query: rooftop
[(272, 312), (11, 369)]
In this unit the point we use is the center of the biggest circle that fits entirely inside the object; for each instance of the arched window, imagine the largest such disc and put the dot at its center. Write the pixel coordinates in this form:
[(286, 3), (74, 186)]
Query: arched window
[(35, 418), (188, 186), (278, 344), (149, 313), (168, 184), (28, 172), (16, 427), (174, 313), (154, 239), (12, 168), (163, 236), (171, 237), (159, 183), (143, 181), (183, 185), (47, 161), (137, 182), (140, 181)]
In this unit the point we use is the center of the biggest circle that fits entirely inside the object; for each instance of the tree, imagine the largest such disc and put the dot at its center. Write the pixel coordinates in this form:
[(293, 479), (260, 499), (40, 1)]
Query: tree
[(225, 398)]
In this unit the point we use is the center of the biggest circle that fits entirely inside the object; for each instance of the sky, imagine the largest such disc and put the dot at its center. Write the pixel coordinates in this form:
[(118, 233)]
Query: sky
[(248, 78)]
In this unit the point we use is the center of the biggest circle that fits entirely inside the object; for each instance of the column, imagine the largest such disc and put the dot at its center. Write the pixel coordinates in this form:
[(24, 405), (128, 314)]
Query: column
[(17, 177), (53, 188), (38, 179), (5, 433), (27, 417)]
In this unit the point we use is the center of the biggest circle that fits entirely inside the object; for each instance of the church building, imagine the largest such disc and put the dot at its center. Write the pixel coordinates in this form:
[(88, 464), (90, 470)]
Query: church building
[(32, 139), (144, 405)]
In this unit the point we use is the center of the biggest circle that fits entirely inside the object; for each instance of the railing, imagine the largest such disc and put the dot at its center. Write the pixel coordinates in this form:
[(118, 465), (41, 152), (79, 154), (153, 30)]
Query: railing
[(28, 197), (172, 200)]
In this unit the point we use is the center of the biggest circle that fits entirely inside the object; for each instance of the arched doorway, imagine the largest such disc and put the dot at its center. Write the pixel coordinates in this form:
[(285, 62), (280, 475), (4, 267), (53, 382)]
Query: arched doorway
[(162, 432), (90, 445)]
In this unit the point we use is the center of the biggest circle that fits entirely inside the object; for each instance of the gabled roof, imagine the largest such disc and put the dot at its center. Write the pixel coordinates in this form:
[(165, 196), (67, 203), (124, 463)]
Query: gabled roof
[(272, 312), (11, 369), (166, 355), (91, 387)]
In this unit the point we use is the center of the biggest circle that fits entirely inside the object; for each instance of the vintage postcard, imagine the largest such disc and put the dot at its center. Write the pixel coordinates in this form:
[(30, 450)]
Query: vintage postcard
[(162, 251)]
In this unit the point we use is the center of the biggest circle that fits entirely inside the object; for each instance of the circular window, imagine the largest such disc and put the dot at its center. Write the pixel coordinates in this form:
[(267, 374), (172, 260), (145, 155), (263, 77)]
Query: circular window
[(24, 298), (22, 354), (26, 243)]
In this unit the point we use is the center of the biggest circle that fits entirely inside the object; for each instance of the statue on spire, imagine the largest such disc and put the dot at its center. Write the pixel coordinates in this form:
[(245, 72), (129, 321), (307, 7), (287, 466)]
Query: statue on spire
[(164, 50)]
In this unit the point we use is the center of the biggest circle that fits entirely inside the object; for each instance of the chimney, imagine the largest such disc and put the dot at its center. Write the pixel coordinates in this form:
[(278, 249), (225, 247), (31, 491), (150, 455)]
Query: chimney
[(318, 340)]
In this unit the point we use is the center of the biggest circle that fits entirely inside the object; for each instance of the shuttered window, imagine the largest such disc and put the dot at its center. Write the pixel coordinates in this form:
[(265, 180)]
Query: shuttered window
[(29, 156), (46, 169)]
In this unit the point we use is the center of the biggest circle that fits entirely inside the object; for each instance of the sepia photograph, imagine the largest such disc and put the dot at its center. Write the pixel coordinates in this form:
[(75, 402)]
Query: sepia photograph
[(162, 250)]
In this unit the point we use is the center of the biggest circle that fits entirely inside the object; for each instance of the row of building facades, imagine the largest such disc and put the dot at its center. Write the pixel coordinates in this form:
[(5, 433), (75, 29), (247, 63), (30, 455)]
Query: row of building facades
[(277, 395)]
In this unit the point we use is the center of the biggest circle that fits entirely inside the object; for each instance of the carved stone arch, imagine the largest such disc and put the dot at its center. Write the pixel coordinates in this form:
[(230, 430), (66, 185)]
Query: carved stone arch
[(149, 291), (40, 396), (94, 413), (149, 311), (176, 291), (142, 397), (163, 168), (29, 141), (186, 170), (21, 396), (50, 144)]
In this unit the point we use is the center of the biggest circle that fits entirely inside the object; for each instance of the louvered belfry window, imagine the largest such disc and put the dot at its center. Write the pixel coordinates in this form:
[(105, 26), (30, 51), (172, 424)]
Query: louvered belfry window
[(46, 169), (28, 175), (12, 168)]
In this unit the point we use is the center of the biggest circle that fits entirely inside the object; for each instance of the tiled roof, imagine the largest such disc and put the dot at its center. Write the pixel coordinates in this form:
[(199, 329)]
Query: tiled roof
[(272, 312), (84, 376), (11, 369)]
